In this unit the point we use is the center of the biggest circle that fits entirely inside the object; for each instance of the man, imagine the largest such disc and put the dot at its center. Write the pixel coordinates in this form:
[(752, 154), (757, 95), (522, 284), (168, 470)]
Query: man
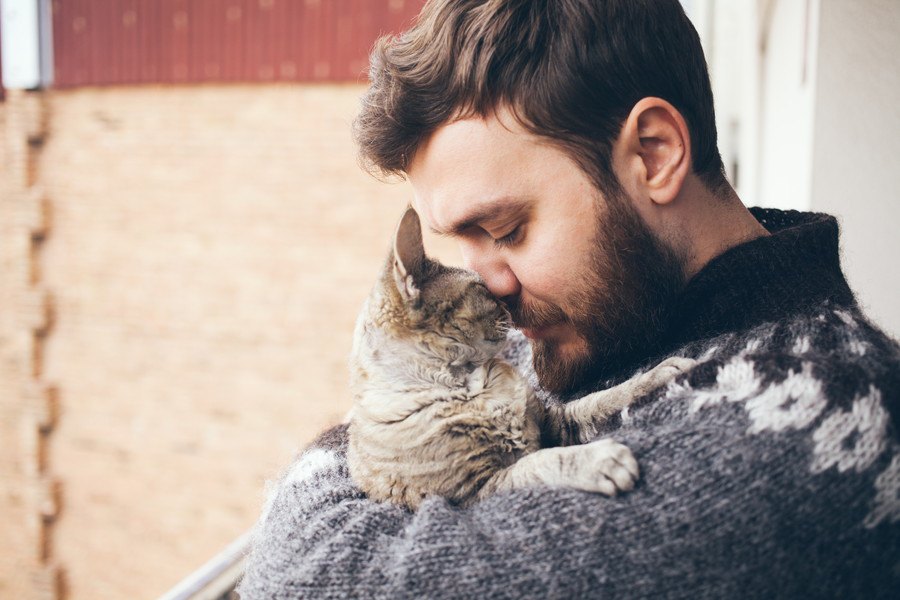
[(570, 147)]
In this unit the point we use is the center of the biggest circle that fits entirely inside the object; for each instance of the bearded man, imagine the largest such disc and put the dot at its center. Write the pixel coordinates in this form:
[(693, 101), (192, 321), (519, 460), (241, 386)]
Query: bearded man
[(570, 147)]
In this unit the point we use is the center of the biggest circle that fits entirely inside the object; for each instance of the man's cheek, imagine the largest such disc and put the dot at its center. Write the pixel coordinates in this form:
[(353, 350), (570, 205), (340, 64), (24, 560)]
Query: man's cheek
[(547, 285)]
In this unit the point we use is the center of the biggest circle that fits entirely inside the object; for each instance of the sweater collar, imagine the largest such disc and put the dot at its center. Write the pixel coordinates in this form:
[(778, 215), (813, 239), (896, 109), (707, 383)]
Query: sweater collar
[(795, 268), (789, 272)]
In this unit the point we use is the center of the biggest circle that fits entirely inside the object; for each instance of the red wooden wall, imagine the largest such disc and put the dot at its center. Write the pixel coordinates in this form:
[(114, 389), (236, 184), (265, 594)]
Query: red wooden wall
[(98, 42)]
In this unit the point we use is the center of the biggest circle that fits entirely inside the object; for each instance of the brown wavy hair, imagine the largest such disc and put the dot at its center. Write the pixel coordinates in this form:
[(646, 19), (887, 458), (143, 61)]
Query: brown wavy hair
[(570, 70)]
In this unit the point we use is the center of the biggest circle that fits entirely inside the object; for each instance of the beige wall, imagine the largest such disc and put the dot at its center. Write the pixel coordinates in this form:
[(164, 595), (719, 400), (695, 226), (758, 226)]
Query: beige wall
[(209, 249), (856, 145), (27, 485), (806, 102)]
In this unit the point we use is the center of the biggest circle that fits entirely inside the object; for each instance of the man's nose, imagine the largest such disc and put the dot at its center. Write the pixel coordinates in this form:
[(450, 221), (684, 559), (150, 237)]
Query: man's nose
[(496, 273)]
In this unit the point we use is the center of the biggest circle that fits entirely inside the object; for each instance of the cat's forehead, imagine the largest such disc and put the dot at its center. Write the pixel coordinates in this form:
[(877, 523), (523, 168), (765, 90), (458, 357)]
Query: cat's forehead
[(452, 278)]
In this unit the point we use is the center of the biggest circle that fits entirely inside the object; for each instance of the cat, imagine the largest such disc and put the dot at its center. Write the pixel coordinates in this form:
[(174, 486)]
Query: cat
[(436, 412)]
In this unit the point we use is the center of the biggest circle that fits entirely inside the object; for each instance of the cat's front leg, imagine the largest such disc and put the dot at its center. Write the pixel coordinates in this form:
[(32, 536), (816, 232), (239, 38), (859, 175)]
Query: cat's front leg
[(604, 466), (579, 421)]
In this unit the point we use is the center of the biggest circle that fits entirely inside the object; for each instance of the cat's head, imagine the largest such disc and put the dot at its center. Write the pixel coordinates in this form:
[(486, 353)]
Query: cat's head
[(446, 312)]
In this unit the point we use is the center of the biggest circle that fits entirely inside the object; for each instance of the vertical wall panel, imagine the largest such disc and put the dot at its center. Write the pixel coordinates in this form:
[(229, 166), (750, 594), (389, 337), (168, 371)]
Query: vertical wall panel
[(324, 42), (267, 43), (150, 38), (181, 50), (55, 20), (128, 21), (310, 23), (365, 32), (67, 58), (103, 47), (233, 41), (199, 40), (99, 42), (69, 51), (284, 69), (249, 48), (112, 22), (81, 39)]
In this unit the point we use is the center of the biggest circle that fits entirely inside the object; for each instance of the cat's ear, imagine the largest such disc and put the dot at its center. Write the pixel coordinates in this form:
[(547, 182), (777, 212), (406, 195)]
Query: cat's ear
[(409, 254)]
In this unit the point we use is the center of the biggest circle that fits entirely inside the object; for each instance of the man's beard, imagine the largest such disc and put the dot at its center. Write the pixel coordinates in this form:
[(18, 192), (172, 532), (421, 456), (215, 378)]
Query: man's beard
[(620, 307)]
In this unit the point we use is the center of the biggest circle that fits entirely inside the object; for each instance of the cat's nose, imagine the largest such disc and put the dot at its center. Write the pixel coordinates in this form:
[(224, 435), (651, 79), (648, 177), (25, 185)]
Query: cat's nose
[(504, 313)]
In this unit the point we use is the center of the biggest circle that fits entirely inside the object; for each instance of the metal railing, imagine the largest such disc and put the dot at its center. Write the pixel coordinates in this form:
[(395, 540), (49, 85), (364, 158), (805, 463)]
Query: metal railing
[(217, 578)]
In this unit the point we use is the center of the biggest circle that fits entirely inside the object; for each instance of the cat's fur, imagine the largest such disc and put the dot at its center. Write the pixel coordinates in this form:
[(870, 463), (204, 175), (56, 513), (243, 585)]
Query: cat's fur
[(437, 413)]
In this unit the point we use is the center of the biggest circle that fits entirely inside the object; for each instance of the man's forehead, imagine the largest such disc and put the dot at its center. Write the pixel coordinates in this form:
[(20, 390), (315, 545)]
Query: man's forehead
[(476, 169)]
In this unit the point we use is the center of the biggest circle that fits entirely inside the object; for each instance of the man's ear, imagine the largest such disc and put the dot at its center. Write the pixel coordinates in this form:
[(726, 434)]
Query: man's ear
[(655, 148), (409, 255)]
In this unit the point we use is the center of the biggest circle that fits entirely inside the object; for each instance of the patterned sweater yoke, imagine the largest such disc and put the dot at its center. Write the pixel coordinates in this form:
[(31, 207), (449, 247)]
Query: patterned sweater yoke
[(770, 470)]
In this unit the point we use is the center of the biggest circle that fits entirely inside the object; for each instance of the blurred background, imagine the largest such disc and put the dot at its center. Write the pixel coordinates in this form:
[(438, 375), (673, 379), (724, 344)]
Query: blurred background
[(186, 238)]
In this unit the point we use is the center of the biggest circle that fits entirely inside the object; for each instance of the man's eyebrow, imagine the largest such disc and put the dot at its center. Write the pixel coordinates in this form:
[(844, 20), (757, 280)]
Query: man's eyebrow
[(493, 209)]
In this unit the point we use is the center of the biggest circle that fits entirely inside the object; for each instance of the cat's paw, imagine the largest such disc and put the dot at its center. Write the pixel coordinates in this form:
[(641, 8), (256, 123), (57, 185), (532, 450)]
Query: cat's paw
[(661, 374), (605, 466), (592, 412)]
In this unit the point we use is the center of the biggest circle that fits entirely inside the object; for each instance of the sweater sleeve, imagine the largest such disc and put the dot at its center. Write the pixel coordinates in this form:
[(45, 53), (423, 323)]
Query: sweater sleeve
[(717, 513)]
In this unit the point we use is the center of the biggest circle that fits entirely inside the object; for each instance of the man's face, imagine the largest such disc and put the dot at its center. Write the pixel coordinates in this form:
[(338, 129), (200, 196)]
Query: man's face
[(582, 275)]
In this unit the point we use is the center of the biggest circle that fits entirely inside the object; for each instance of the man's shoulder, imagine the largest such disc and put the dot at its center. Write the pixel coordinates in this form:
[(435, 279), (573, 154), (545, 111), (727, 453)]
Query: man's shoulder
[(797, 408), (833, 353), (786, 373)]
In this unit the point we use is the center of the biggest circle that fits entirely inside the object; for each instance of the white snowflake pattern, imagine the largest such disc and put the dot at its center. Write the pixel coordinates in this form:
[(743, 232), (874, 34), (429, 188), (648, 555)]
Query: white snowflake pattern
[(752, 346), (867, 419), (710, 352), (314, 461), (846, 317), (795, 402), (736, 381), (801, 345), (887, 495), (857, 347)]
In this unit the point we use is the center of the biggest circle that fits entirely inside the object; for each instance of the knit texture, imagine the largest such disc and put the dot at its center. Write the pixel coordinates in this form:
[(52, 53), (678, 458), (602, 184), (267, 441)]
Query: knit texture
[(770, 470)]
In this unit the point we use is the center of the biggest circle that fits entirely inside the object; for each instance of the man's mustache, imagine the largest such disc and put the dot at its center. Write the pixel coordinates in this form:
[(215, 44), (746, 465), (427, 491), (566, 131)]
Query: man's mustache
[(533, 315)]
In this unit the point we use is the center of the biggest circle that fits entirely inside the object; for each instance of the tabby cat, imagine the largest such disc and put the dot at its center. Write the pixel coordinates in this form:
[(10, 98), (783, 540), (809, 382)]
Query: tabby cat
[(438, 413)]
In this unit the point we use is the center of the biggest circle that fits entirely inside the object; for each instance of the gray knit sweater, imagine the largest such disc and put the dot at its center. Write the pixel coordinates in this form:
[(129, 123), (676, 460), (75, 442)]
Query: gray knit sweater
[(771, 470)]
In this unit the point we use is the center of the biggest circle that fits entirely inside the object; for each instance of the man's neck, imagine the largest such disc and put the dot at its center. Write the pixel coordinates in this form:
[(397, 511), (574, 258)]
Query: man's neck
[(792, 269), (701, 224)]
